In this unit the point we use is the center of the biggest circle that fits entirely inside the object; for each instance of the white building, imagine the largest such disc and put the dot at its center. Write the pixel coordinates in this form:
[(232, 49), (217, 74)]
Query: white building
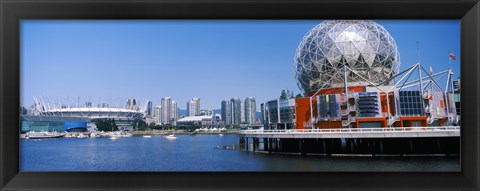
[(166, 111), (193, 107), (158, 114), (206, 121)]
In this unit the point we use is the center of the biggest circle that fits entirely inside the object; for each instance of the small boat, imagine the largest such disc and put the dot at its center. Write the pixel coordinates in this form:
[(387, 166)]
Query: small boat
[(145, 135), (81, 135), (171, 136), (113, 138), (221, 134)]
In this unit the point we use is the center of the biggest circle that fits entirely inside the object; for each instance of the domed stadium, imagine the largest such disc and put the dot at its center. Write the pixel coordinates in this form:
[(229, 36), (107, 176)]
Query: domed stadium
[(48, 114), (366, 49)]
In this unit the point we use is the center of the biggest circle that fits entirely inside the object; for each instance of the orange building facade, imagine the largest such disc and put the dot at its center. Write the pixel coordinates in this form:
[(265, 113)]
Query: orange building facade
[(361, 107)]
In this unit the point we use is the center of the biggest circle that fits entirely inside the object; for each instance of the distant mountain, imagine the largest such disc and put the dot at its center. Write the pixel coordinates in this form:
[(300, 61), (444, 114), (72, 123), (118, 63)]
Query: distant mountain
[(182, 112)]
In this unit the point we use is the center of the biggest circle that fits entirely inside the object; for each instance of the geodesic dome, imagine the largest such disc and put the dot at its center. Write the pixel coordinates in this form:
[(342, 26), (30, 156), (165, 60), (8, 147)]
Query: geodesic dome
[(363, 46)]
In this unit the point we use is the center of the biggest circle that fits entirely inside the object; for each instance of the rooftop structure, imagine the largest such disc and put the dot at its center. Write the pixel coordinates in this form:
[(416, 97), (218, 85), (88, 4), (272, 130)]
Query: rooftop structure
[(364, 46), (119, 111), (349, 71)]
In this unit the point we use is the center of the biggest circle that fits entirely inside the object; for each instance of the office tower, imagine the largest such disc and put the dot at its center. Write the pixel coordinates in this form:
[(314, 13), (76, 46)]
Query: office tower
[(226, 112), (250, 110), (149, 108), (236, 110)]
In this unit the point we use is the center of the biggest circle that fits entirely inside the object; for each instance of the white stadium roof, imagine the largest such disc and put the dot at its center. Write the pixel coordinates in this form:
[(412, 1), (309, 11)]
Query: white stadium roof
[(92, 109)]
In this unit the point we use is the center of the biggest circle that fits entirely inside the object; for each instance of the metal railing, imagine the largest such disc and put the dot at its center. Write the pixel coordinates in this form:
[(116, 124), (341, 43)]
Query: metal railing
[(354, 130)]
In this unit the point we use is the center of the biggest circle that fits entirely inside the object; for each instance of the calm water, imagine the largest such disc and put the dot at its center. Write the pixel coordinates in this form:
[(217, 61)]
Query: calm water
[(198, 153)]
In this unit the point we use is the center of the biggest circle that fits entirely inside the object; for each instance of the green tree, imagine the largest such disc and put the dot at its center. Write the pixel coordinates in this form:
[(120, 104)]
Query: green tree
[(298, 96), (106, 125), (141, 125), (151, 126)]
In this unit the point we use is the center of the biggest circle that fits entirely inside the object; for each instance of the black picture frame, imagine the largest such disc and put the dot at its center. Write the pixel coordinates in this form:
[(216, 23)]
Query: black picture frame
[(13, 10)]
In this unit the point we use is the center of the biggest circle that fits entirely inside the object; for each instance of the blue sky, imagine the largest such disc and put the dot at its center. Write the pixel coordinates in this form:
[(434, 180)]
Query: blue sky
[(211, 60)]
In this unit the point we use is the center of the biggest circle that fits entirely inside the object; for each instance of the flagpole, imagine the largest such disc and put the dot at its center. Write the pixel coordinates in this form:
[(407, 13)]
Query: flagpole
[(450, 63)]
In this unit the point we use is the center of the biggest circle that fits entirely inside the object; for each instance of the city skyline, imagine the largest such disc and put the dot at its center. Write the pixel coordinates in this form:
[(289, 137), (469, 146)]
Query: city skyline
[(155, 59)]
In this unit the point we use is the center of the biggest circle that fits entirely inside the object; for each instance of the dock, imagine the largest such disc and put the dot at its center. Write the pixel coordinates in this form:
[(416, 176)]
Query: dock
[(389, 140), (397, 132)]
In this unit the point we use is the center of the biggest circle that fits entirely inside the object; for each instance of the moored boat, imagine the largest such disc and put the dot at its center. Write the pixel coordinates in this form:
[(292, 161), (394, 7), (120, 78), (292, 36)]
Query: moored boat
[(43, 135)]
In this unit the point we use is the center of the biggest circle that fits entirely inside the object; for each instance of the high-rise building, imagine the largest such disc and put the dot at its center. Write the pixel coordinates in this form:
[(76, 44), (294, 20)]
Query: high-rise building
[(193, 107), (166, 110), (173, 114), (236, 110), (226, 112), (131, 104), (242, 112), (149, 108), (456, 85), (250, 110), (158, 114)]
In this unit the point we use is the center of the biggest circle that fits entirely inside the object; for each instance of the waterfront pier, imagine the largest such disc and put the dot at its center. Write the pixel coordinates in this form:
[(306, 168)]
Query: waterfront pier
[(398, 140)]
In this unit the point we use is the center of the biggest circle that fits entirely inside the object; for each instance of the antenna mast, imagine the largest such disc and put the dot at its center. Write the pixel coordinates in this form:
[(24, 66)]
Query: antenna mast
[(418, 53)]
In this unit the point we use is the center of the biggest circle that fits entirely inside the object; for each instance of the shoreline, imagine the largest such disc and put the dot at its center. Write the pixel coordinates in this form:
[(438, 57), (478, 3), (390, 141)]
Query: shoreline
[(153, 132), (181, 132)]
